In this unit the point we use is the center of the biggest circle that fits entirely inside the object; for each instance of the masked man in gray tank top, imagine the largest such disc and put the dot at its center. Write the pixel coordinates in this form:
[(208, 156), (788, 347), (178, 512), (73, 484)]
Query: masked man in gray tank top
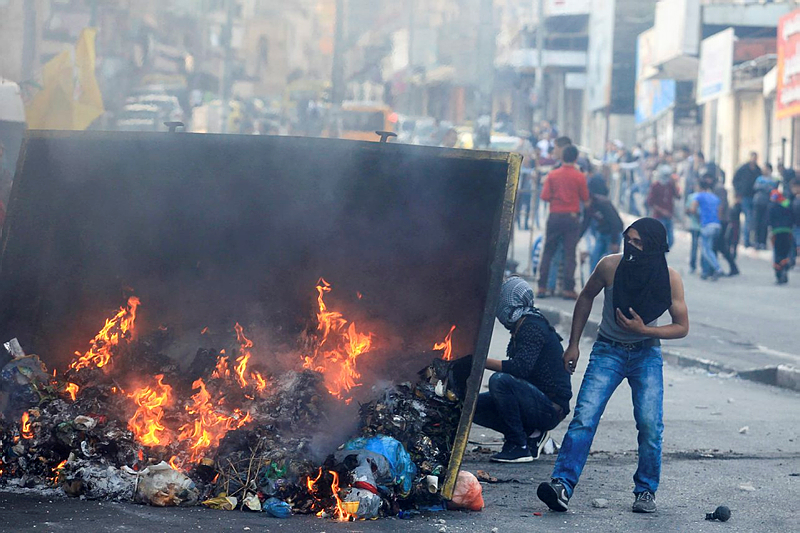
[(639, 287)]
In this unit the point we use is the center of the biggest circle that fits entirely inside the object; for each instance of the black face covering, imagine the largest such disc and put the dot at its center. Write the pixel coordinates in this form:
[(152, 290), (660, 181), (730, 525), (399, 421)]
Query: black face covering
[(642, 278)]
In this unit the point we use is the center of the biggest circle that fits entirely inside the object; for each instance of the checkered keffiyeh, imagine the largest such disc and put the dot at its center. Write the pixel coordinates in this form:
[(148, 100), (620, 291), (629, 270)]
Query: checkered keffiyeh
[(516, 301)]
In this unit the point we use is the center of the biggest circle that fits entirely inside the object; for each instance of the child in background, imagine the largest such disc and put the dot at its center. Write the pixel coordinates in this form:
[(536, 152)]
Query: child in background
[(780, 223)]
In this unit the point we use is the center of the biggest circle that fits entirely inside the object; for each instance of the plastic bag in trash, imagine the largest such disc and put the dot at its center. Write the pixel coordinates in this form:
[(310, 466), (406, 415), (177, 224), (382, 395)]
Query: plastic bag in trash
[(369, 503), (468, 493), (162, 486), (277, 508), (221, 503), (24, 379), (251, 502), (402, 467)]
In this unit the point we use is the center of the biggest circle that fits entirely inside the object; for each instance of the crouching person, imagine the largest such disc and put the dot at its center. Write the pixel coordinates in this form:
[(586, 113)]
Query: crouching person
[(530, 391)]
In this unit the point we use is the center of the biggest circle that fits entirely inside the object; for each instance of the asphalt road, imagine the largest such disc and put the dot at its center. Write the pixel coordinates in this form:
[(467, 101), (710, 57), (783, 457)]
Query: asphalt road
[(706, 460)]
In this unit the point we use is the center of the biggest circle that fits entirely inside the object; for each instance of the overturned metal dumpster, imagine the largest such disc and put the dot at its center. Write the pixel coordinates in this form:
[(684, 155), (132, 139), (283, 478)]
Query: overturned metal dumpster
[(171, 277)]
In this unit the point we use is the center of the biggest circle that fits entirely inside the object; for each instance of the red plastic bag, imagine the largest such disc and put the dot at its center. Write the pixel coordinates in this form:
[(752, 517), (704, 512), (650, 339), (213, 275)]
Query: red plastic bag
[(468, 493)]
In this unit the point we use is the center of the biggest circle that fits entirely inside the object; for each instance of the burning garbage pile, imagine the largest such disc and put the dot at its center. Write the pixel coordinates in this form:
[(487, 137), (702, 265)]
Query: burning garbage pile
[(124, 422)]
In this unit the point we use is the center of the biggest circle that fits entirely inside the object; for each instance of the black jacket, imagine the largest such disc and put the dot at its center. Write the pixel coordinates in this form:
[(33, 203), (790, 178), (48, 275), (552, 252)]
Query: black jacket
[(535, 354), (744, 179), (602, 211)]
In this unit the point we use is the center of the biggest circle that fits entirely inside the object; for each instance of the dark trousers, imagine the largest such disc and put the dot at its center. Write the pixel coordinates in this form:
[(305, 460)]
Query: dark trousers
[(564, 226), (782, 255), (523, 205), (695, 233), (761, 223), (723, 247), (515, 408)]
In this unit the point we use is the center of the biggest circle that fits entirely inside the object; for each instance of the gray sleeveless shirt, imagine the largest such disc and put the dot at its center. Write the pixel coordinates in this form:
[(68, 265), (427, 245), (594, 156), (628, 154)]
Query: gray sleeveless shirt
[(608, 325)]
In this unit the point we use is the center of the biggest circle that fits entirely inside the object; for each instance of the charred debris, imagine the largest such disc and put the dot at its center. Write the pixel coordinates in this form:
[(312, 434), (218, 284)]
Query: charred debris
[(124, 423)]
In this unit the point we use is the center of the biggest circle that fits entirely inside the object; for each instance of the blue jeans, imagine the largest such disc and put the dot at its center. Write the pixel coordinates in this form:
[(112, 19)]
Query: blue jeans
[(708, 237), (608, 366), (747, 209), (515, 408), (667, 223)]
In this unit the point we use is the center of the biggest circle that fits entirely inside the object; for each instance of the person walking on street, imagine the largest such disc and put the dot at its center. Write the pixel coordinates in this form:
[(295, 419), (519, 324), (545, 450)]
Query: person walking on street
[(787, 176), (707, 207), (722, 246), (565, 188), (694, 230), (638, 288), (661, 199), (743, 182), (762, 189), (529, 392), (603, 216), (780, 223)]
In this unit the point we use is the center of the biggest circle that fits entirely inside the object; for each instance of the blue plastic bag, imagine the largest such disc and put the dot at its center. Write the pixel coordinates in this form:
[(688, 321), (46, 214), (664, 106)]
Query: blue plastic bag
[(277, 508), (403, 468)]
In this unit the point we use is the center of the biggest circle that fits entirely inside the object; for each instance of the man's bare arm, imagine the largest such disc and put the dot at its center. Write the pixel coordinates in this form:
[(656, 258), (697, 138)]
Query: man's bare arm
[(583, 308), (679, 312)]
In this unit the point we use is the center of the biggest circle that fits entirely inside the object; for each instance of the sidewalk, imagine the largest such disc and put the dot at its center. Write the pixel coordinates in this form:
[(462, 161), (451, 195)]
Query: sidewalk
[(744, 325)]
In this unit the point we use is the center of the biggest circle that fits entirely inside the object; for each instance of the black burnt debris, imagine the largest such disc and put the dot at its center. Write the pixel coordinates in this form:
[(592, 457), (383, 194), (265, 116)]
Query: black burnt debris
[(125, 423)]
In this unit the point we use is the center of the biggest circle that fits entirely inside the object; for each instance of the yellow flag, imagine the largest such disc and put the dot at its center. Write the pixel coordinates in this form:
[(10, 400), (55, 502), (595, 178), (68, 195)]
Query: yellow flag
[(70, 98)]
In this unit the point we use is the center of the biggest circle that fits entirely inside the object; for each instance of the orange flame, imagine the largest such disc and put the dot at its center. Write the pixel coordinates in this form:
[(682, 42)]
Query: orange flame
[(339, 347), (116, 329), (221, 371), (146, 422), (261, 383), (311, 483), (447, 345), (244, 354), (173, 462), (209, 426), (341, 514), (25, 426), (72, 389), (57, 470)]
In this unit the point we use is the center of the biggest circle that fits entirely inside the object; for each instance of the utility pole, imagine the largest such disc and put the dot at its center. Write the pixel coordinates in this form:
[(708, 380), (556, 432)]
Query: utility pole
[(486, 51), (539, 111), (225, 79), (337, 72), (28, 40)]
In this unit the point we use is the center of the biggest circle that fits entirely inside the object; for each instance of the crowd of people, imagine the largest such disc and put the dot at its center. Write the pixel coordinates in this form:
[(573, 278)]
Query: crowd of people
[(680, 190)]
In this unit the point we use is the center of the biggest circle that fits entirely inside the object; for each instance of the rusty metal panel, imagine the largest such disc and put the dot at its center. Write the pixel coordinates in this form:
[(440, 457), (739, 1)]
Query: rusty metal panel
[(211, 229)]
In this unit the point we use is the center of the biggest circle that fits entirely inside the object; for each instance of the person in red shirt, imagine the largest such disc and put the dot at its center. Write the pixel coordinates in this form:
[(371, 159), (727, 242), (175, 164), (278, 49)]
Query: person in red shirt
[(565, 188)]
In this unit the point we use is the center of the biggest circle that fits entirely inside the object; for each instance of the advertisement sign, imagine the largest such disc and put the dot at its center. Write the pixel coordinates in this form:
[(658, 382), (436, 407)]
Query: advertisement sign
[(715, 73), (600, 54), (788, 91), (677, 29), (554, 8), (653, 97)]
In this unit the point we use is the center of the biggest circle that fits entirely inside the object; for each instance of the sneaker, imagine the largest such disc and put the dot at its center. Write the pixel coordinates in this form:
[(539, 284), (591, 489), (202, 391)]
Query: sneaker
[(512, 453), (569, 295), (554, 495), (645, 502), (734, 272), (536, 444), (541, 293)]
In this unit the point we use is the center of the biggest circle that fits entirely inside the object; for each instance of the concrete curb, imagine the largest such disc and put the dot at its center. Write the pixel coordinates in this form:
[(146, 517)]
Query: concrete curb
[(783, 376)]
